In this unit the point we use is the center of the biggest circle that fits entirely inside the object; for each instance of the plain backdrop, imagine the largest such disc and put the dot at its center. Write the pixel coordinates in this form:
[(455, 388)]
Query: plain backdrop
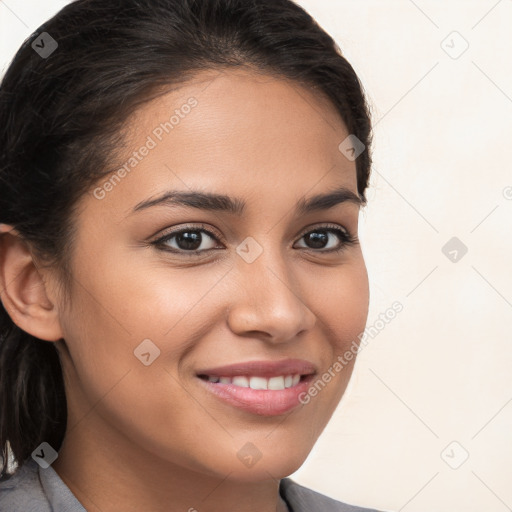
[(427, 419)]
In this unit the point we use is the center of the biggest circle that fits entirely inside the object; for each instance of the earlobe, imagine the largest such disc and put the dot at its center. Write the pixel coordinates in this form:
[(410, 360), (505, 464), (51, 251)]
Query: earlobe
[(23, 290)]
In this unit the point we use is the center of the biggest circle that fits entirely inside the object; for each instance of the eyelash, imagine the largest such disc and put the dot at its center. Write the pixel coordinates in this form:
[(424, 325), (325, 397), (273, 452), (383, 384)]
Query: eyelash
[(345, 236)]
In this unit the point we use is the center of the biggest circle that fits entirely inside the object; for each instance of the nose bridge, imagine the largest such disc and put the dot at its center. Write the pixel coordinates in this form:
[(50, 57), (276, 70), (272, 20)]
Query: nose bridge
[(264, 264), (270, 300)]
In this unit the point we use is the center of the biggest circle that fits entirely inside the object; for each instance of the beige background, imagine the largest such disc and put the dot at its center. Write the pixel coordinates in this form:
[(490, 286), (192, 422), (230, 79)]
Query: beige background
[(439, 372)]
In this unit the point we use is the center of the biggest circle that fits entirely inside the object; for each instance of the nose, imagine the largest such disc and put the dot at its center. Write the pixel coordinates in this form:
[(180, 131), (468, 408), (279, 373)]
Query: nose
[(270, 303)]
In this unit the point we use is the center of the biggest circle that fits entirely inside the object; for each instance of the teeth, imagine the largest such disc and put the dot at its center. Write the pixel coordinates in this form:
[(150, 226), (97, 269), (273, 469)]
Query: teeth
[(274, 383), (241, 381), (258, 383)]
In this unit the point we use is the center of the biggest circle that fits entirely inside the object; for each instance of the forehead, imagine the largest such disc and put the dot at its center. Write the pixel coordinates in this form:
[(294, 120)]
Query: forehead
[(234, 132)]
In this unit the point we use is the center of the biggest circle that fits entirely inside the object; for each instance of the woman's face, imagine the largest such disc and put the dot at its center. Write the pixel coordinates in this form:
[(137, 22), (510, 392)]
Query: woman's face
[(147, 322)]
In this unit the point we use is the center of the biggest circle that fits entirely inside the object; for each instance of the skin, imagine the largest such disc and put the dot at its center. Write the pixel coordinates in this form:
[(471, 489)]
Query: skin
[(150, 437)]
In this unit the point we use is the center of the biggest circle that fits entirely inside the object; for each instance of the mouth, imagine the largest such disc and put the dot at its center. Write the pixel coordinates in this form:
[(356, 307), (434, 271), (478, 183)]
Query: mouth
[(264, 388), (275, 383)]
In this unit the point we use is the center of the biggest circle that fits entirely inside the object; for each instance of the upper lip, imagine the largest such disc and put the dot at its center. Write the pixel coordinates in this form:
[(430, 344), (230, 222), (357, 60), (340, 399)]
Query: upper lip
[(262, 368)]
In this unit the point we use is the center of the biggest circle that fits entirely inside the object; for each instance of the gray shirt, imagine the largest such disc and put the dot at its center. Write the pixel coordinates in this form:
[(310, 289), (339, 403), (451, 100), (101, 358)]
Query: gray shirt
[(34, 489)]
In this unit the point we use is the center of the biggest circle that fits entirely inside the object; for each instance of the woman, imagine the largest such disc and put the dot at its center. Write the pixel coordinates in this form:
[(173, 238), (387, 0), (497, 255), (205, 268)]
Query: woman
[(180, 269)]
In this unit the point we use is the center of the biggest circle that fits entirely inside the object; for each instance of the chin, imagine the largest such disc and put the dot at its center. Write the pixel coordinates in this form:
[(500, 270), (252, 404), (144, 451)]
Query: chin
[(269, 467)]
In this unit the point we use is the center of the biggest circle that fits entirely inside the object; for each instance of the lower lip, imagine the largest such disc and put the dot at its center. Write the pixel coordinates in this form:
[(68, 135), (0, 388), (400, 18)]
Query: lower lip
[(265, 402)]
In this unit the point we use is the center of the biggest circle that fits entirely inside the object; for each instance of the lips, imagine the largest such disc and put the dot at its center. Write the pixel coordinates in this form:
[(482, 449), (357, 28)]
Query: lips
[(266, 369), (260, 387)]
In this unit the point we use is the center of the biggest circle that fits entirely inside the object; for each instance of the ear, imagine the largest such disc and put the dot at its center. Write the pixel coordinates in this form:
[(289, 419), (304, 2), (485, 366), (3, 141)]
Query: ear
[(23, 290)]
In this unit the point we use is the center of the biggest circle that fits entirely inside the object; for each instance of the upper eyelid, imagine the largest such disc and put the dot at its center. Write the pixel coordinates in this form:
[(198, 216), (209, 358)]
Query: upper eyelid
[(186, 227), (328, 225)]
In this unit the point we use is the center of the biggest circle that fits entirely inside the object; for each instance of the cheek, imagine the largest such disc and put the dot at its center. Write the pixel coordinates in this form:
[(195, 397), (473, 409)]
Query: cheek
[(146, 402), (121, 312), (131, 295), (341, 301)]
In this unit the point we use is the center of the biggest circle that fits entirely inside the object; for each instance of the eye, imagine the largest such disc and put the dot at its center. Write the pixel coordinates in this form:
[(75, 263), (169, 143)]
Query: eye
[(318, 239), (187, 240)]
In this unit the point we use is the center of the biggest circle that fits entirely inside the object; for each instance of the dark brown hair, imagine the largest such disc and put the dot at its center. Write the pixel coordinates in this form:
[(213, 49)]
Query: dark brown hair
[(61, 117)]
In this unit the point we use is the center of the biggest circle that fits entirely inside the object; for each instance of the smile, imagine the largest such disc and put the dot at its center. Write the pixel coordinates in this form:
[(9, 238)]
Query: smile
[(264, 387), (254, 382)]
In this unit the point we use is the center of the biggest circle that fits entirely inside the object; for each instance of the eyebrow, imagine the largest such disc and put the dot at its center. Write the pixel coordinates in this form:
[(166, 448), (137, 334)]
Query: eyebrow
[(236, 206)]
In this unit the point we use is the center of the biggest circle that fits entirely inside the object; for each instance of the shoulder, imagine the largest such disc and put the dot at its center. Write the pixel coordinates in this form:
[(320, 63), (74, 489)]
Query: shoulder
[(33, 489), (302, 499), (23, 492)]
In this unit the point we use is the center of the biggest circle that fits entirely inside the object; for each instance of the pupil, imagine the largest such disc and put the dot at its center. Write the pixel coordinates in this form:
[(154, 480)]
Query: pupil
[(188, 240), (317, 238)]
